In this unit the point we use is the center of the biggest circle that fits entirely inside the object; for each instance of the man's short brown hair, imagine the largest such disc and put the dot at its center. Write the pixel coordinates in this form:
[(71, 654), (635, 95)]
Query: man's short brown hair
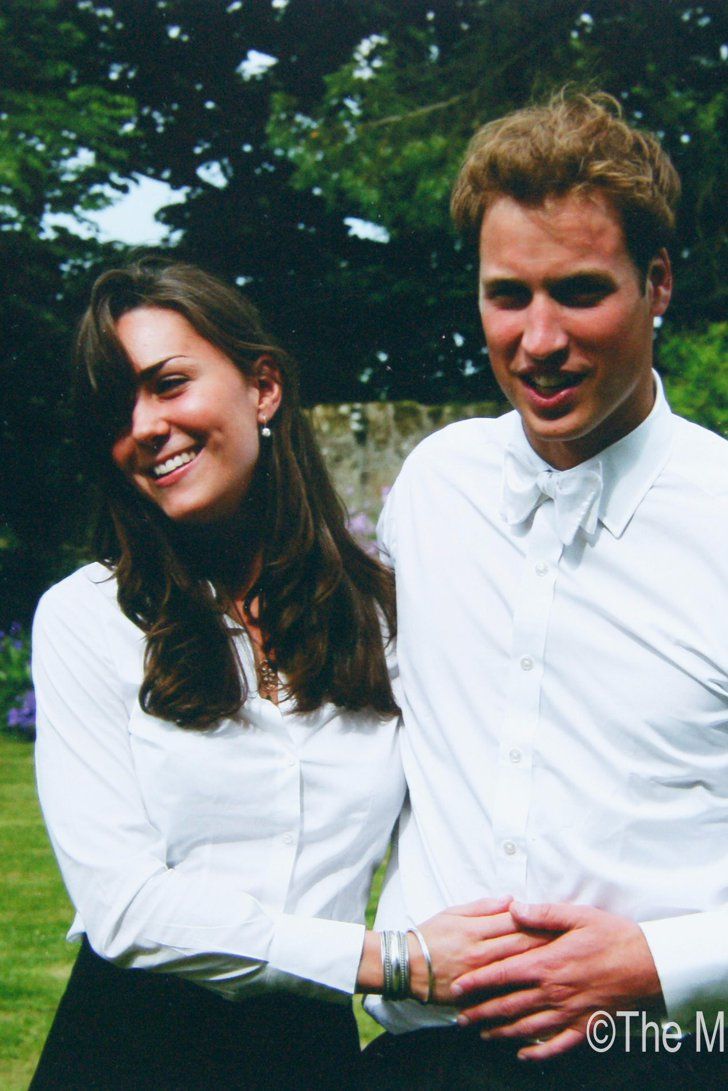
[(575, 143)]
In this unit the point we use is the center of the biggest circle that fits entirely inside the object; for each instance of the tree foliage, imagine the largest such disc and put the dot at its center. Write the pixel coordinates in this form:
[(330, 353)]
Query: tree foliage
[(366, 112), (60, 147), (201, 126), (389, 132), (696, 374), (283, 121), (59, 127)]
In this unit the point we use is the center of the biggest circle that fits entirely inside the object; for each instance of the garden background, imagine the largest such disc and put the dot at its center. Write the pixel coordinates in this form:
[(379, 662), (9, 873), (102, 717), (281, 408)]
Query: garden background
[(309, 147)]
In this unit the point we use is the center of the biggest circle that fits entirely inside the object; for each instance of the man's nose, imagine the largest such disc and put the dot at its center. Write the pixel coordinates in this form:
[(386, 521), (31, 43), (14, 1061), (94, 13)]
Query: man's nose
[(543, 333)]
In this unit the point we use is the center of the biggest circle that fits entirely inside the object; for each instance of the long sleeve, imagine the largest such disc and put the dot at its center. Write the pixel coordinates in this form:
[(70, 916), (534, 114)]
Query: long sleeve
[(156, 890), (691, 956)]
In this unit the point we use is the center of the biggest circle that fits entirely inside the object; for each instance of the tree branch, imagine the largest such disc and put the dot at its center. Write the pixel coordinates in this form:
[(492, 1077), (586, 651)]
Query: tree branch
[(394, 119)]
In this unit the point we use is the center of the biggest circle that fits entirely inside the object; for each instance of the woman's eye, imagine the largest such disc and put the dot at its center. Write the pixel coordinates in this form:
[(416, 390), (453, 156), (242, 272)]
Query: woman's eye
[(170, 384)]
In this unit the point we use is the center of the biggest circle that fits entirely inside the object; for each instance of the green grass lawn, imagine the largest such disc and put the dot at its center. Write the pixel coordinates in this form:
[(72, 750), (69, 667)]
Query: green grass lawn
[(34, 916)]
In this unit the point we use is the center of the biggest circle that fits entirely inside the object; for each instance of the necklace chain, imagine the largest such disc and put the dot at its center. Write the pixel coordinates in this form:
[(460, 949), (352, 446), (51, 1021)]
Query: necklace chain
[(268, 680)]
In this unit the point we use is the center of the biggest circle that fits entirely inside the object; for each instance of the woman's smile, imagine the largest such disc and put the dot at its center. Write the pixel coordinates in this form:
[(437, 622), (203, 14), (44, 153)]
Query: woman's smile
[(162, 471)]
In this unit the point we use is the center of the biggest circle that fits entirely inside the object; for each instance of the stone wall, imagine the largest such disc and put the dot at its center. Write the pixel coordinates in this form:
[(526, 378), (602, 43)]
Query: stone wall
[(364, 445)]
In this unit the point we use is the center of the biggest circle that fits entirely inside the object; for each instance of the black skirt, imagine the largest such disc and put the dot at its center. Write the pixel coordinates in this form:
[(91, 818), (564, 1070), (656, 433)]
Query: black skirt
[(129, 1030)]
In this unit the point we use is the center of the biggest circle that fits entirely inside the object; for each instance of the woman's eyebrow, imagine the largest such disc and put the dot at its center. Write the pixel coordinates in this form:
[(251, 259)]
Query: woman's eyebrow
[(148, 372)]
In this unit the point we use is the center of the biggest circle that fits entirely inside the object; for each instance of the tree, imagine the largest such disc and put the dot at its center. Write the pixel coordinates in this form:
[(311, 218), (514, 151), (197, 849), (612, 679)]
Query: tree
[(696, 375), (387, 135), (59, 131), (201, 126), (284, 121), (59, 144)]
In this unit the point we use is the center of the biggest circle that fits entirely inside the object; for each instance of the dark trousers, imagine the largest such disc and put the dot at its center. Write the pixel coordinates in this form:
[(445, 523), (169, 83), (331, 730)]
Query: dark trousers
[(451, 1059), (134, 1030)]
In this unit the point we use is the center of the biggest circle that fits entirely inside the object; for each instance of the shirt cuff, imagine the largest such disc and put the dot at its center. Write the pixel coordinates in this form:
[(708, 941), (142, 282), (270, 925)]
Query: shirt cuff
[(691, 956), (328, 952)]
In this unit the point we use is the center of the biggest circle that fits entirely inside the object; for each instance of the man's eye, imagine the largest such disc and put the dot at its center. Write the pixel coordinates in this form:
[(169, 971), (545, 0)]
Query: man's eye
[(508, 296), (581, 295)]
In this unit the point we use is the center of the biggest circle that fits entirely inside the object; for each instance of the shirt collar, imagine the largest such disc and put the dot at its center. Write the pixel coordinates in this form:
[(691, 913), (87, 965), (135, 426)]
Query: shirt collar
[(629, 467)]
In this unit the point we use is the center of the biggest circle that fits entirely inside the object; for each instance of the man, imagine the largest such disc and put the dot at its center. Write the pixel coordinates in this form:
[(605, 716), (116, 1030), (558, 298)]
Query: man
[(562, 576)]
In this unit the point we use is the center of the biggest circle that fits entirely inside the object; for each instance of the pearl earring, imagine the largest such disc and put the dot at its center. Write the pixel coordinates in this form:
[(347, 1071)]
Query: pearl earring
[(264, 429)]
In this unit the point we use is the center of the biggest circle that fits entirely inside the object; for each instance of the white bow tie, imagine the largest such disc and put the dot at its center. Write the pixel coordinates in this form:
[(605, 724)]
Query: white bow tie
[(576, 494)]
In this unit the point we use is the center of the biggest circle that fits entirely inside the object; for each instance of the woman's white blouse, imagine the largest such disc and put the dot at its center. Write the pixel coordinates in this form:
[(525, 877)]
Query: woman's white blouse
[(239, 857)]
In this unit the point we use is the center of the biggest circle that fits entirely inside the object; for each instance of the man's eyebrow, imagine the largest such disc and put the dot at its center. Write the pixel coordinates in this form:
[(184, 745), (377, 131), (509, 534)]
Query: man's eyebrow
[(493, 283), (584, 276)]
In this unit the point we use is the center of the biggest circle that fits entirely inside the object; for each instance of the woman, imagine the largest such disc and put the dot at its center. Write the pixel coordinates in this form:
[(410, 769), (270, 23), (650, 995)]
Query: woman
[(216, 756)]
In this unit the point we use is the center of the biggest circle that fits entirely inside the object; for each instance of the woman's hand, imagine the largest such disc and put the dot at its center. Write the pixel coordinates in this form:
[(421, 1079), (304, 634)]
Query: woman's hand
[(460, 939), (473, 936)]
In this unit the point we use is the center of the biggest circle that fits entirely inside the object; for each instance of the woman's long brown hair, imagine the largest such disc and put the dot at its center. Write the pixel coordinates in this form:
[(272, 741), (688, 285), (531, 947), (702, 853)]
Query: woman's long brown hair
[(322, 599)]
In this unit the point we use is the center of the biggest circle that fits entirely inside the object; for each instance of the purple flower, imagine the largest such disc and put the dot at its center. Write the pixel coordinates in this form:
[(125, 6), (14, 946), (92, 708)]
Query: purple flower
[(21, 717), (363, 531), (16, 629), (360, 525)]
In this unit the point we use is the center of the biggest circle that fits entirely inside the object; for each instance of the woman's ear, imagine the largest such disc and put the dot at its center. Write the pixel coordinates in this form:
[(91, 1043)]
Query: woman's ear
[(267, 378)]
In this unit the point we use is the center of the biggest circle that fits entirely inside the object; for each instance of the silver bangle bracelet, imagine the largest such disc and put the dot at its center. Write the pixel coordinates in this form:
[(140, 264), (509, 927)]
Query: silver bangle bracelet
[(395, 965), (428, 962)]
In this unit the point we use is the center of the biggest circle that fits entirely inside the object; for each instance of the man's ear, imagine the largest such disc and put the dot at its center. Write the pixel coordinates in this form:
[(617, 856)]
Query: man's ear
[(659, 282), (267, 377)]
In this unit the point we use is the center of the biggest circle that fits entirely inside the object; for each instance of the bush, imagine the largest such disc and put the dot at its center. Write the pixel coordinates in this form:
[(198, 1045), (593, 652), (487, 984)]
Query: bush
[(695, 365), (17, 699)]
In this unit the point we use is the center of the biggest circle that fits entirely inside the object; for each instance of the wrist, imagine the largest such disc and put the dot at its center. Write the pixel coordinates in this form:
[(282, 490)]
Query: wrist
[(413, 971), (370, 976), (419, 971), (422, 974)]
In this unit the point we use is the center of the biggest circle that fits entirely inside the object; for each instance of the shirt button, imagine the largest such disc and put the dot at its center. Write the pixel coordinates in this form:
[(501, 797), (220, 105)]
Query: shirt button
[(527, 663), (291, 762), (509, 848), (287, 838), (541, 568), (514, 755)]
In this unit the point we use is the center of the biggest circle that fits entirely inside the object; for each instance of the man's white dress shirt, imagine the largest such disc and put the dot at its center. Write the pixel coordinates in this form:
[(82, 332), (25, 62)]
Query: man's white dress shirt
[(238, 857), (566, 707)]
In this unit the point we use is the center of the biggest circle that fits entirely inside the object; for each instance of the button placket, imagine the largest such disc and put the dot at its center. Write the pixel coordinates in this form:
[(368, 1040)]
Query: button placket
[(530, 625)]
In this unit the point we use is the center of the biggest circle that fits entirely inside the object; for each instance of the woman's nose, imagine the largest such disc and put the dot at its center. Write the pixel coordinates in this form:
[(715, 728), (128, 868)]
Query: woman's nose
[(148, 423)]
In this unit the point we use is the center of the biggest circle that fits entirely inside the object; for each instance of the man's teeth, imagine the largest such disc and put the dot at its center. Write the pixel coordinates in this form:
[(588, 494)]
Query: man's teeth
[(552, 382), (173, 463)]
